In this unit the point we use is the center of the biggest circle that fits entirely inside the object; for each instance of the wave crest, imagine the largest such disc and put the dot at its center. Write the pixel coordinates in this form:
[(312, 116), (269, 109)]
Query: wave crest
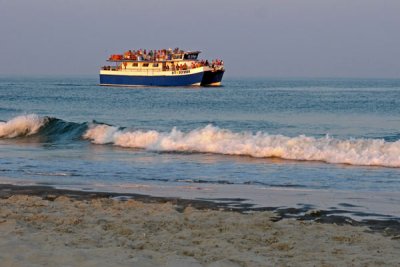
[(23, 125), (211, 139)]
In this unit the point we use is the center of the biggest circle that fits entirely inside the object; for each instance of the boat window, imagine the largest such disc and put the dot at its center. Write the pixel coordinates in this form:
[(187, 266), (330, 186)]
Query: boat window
[(155, 65), (134, 64), (145, 65), (191, 56)]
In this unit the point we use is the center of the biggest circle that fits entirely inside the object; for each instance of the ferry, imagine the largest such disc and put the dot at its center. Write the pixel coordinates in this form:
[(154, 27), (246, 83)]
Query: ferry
[(161, 68)]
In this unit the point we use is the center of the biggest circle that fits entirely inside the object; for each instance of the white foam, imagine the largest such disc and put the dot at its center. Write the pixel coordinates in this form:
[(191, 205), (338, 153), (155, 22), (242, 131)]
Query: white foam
[(211, 139), (21, 126)]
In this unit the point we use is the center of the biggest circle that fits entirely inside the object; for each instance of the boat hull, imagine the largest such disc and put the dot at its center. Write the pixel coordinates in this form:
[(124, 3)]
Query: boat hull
[(191, 79), (212, 78)]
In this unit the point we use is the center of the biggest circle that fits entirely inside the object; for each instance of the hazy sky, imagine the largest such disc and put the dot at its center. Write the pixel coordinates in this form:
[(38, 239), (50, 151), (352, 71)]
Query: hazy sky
[(277, 38)]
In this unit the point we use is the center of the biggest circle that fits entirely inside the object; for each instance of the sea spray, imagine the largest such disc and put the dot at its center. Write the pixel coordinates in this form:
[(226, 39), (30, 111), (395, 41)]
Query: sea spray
[(23, 125), (211, 139)]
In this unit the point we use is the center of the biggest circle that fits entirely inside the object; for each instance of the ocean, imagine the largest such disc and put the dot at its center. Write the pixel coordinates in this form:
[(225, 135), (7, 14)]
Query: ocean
[(322, 143)]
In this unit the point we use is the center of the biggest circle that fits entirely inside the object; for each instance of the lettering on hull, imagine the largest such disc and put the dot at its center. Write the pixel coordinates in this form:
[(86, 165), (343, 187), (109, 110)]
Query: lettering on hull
[(181, 72)]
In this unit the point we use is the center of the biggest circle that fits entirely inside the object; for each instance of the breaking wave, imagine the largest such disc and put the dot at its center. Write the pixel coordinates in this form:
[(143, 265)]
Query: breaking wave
[(211, 139), (24, 125), (43, 127)]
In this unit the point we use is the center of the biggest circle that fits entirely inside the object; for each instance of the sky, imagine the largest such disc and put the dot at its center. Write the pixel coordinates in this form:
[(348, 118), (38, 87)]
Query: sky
[(255, 38)]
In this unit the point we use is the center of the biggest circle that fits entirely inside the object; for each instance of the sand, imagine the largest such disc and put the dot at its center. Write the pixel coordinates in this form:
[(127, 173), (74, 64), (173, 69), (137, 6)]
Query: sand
[(66, 231)]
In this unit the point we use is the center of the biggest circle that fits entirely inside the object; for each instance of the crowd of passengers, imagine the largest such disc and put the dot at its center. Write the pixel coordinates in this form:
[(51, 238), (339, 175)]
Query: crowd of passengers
[(151, 55), (148, 55)]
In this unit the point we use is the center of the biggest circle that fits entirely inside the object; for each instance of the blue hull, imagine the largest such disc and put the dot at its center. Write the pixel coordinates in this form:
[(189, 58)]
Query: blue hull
[(127, 80)]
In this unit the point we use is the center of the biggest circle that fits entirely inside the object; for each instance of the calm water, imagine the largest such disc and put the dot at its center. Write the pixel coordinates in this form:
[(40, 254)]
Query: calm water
[(331, 134)]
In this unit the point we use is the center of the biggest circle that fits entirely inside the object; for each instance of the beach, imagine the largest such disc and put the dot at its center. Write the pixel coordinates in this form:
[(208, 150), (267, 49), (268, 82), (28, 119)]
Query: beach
[(42, 226)]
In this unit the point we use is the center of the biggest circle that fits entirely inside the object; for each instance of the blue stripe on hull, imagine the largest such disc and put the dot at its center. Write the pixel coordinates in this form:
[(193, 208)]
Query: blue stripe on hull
[(178, 80)]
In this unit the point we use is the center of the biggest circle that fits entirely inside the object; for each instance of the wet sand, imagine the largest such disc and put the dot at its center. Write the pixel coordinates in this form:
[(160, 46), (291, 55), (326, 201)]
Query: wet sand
[(45, 226)]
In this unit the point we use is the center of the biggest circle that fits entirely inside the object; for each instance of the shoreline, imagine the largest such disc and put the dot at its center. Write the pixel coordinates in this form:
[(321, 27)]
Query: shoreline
[(388, 227), (357, 205)]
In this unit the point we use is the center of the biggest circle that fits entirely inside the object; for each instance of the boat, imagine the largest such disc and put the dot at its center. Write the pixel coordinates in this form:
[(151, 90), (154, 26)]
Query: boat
[(161, 68)]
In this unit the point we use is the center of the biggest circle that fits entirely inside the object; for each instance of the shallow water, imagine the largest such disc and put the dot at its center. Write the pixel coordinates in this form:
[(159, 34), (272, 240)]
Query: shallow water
[(315, 135)]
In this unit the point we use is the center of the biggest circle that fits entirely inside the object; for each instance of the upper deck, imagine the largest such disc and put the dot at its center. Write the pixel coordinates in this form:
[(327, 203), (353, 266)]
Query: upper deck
[(155, 56)]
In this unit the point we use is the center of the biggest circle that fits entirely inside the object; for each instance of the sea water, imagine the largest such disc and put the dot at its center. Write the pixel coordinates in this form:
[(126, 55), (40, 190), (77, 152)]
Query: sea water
[(274, 142)]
